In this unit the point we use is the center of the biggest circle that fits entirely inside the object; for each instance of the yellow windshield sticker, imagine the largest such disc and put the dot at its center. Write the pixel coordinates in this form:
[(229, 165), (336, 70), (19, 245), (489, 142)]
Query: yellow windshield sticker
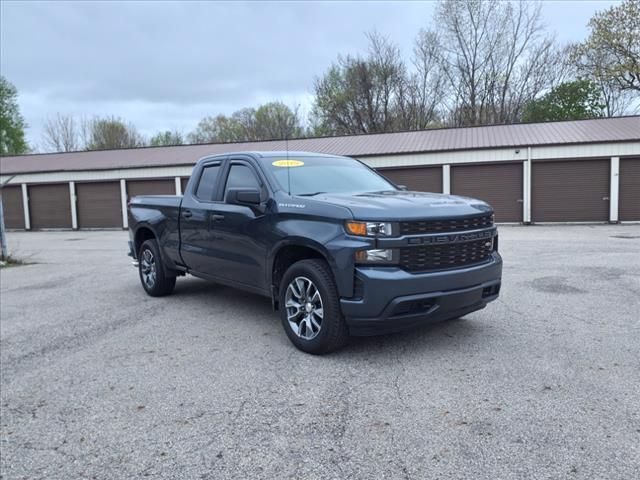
[(287, 163)]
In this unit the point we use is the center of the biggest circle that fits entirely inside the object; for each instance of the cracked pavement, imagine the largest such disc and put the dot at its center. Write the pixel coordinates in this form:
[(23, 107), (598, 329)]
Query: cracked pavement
[(100, 381)]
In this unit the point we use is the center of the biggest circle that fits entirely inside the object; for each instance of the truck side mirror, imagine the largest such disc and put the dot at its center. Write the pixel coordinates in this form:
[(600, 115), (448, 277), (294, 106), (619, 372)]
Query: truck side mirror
[(243, 196), (402, 187)]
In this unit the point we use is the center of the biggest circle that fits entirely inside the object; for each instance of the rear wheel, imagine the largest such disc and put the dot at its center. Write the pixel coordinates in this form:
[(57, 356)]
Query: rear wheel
[(310, 308), (153, 277)]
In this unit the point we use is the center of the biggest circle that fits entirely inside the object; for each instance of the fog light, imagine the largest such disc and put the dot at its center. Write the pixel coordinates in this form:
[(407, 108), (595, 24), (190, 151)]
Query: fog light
[(375, 256)]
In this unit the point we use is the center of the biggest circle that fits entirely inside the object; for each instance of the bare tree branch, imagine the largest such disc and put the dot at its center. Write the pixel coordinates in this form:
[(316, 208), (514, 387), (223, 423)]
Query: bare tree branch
[(61, 134)]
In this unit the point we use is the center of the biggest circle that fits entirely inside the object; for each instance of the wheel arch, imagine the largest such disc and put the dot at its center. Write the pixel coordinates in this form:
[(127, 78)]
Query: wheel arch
[(141, 234), (288, 252)]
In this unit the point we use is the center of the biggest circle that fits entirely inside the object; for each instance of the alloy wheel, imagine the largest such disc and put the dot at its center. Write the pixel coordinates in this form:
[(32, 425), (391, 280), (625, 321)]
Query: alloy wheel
[(303, 304), (148, 268)]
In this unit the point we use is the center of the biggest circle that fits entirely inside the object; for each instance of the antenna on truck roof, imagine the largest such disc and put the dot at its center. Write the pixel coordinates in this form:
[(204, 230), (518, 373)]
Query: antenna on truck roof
[(286, 147)]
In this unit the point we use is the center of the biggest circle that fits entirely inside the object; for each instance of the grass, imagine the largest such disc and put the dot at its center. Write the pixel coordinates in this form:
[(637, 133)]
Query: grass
[(10, 261)]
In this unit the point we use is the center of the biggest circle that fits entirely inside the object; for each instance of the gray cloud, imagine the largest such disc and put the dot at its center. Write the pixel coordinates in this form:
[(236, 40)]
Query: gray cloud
[(165, 65)]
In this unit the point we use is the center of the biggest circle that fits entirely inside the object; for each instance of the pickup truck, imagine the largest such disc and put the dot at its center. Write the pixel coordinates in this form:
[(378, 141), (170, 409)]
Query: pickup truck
[(339, 249)]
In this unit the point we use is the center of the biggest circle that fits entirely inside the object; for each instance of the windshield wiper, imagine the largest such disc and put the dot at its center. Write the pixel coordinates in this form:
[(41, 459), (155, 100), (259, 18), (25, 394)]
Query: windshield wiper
[(310, 194)]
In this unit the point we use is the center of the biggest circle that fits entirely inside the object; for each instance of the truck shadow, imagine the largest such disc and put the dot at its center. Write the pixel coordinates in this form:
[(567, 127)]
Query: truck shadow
[(255, 312), (451, 334)]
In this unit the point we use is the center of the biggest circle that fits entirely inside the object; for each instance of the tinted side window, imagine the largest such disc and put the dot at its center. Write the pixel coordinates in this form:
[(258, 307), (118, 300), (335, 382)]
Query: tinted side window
[(208, 182), (241, 176)]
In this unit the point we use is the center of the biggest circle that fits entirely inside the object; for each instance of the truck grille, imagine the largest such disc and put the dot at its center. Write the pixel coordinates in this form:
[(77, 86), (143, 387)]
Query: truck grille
[(441, 257), (438, 226)]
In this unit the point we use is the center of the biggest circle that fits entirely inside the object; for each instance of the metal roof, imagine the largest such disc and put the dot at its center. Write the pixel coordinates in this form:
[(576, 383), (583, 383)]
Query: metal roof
[(603, 130)]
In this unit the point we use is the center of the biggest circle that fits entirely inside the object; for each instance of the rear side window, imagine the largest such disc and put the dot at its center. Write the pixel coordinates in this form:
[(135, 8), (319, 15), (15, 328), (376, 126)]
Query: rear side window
[(208, 182), (241, 176)]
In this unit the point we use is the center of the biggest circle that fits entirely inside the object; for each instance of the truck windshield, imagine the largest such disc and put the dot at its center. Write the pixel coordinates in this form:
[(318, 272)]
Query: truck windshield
[(314, 176)]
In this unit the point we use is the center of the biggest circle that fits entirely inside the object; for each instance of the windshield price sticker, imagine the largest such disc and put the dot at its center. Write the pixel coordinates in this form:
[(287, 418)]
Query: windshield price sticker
[(287, 163)]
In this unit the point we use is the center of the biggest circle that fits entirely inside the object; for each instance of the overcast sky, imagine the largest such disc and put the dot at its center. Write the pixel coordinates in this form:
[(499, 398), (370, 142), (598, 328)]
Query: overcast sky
[(164, 65)]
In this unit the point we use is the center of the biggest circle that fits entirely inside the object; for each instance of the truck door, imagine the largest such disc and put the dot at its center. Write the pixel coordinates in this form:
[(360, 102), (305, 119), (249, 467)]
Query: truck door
[(240, 230), (199, 248)]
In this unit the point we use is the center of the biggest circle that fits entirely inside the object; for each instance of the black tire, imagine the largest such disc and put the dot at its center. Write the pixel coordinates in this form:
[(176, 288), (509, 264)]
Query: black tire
[(333, 332), (161, 284)]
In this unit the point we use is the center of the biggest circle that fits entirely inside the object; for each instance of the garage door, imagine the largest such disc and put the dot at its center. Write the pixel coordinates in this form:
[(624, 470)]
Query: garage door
[(422, 179), (629, 208), (183, 182), (570, 191), (99, 205), (500, 185), (50, 206), (13, 207), (151, 187)]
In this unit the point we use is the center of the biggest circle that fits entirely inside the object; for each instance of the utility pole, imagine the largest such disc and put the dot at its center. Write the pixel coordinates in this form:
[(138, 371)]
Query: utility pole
[(3, 237)]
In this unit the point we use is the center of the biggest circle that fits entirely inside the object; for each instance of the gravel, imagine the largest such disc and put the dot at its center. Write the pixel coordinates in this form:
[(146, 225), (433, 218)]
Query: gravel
[(100, 381)]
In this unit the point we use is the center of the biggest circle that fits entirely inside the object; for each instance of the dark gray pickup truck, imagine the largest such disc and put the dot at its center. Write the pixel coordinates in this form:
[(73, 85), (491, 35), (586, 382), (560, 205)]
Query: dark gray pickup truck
[(338, 248)]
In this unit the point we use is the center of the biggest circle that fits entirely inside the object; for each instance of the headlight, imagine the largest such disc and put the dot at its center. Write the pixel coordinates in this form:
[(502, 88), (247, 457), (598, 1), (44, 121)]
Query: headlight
[(377, 256), (369, 229)]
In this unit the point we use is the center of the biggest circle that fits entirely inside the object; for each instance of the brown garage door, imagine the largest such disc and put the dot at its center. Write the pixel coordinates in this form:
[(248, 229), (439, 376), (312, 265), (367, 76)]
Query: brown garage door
[(421, 179), (183, 182), (99, 205), (151, 187), (570, 191), (629, 208), (50, 206), (13, 207), (498, 184)]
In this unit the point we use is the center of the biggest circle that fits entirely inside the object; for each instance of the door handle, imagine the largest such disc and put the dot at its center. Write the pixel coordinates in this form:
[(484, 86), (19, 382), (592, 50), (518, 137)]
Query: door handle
[(187, 214), (214, 217)]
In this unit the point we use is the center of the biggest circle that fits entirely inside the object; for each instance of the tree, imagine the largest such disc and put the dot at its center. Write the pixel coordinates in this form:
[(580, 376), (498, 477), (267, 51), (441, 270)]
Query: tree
[(111, 133), (362, 95), (591, 65), (273, 120), (217, 129), (612, 50), (482, 62), (12, 125), (167, 138), (568, 101), (496, 58), (61, 134), (423, 94)]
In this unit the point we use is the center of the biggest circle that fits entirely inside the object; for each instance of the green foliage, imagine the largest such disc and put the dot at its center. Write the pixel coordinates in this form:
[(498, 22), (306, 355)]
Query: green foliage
[(216, 129), (11, 261), (612, 50), (273, 120), (110, 133), (568, 101), (166, 138), (12, 125)]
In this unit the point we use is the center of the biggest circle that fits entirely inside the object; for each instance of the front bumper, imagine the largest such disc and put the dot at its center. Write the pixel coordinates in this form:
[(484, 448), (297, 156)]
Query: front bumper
[(391, 299)]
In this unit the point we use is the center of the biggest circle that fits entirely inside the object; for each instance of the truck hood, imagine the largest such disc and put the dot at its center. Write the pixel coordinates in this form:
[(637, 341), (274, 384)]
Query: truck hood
[(395, 205)]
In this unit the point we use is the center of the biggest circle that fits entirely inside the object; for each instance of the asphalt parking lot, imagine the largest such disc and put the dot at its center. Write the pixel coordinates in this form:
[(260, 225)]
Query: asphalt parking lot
[(100, 381)]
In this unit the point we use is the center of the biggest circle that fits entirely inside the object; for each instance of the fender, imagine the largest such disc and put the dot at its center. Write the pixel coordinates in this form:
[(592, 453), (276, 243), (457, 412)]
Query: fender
[(297, 242), (336, 252), (168, 264)]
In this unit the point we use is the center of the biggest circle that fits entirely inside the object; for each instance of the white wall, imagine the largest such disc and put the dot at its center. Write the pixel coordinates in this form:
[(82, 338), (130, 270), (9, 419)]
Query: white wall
[(525, 154)]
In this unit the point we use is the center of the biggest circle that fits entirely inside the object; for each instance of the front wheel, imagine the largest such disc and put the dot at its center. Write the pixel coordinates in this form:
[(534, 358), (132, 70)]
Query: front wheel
[(152, 273), (310, 308)]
